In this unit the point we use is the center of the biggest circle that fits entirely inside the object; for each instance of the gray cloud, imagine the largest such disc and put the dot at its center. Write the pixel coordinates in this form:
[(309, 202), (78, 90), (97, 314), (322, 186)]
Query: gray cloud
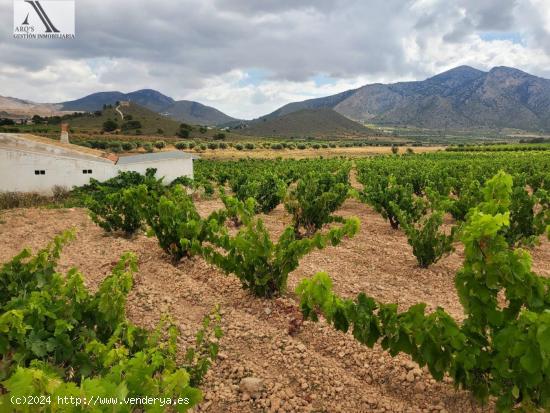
[(180, 47)]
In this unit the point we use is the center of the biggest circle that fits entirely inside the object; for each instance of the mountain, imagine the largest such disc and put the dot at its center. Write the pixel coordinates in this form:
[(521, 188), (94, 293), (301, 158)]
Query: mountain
[(319, 103), (182, 110), (460, 98), (197, 113), (13, 107), (320, 122)]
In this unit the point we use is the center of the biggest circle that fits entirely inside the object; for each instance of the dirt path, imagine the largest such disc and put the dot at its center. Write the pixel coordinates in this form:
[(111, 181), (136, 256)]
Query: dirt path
[(120, 112), (316, 370)]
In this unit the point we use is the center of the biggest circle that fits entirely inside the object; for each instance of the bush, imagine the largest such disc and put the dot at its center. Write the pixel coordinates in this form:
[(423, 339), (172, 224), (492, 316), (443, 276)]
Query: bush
[(426, 240), (316, 146), (500, 350), (267, 189), (249, 146), (315, 198), (115, 147), (175, 221), (181, 145), (394, 149), (239, 147), (276, 146), (128, 146), (148, 147), (114, 205), (301, 146), (219, 136), (212, 145), (61, 340), (261, 265), (110, 125), (184, 133), (160, 144), (131, 124), (391, 199)]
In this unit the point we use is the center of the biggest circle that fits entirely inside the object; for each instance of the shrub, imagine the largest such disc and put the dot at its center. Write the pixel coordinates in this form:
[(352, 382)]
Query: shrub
[(128, 146), (58, 339), (160, 144), (249, 146), (315, 198), (115, 147), (239, 147), (212, 145), (219, 136), (301, 146), (261, 265), (114, 205), (501, 348), (394, 149), (429, 244), (131, 124), (181, 145), (391, 199), (175, 221), (267, 189), (109, 125), (148, 147), (276, 146), (184, 133)]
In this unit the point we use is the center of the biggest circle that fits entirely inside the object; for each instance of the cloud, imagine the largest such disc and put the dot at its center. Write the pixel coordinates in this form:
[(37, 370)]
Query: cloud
[(248, 57)]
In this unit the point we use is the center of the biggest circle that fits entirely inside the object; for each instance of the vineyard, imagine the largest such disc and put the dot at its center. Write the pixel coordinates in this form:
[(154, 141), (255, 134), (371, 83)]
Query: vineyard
[(404, 283)]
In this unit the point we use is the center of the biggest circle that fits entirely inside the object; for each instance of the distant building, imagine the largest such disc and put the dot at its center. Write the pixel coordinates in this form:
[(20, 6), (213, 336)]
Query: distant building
[(31, 163)]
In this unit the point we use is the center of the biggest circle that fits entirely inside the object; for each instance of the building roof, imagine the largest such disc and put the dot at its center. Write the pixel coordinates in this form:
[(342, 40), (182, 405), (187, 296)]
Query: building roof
[(153, 157), (47, 146)]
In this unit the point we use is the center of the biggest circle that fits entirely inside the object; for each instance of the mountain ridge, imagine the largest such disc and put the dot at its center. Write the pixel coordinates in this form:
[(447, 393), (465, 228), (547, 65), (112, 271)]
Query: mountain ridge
[(462, 97), (183, 110)]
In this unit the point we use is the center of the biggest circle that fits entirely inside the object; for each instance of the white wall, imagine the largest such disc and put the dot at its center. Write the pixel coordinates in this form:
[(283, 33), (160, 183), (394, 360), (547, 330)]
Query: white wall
[(170, 169), (17, 171)]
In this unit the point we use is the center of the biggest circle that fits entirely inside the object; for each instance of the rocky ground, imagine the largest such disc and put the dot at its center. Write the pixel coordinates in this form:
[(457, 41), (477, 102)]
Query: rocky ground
[(263, 368)]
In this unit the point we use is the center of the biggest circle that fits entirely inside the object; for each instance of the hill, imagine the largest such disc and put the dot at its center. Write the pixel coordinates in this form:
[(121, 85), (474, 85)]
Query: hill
[(150, 121), (13, 107), (321, 122), (461, 98), (183, 110)]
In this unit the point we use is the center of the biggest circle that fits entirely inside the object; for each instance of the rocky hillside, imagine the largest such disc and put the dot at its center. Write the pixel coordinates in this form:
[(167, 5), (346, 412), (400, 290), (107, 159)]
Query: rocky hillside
[(13, 107), (463, 97)]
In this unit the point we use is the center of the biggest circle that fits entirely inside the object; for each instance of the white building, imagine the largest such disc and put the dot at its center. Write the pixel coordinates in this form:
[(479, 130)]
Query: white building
[(31, 163)]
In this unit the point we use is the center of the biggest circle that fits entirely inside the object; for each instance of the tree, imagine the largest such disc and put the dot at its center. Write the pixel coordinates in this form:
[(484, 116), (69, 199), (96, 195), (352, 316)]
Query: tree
[(109, 125)]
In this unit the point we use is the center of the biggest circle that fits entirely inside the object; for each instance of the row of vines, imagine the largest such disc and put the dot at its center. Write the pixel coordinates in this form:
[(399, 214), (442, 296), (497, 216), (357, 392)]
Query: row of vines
[(497, 205)]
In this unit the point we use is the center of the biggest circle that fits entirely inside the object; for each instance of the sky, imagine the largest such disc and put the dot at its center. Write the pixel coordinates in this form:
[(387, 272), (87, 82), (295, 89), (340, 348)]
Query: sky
[(249, 57)]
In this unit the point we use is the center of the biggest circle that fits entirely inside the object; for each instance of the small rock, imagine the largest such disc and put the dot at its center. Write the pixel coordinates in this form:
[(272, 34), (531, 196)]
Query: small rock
[(410, 376), (267, 310), (251, 385)]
